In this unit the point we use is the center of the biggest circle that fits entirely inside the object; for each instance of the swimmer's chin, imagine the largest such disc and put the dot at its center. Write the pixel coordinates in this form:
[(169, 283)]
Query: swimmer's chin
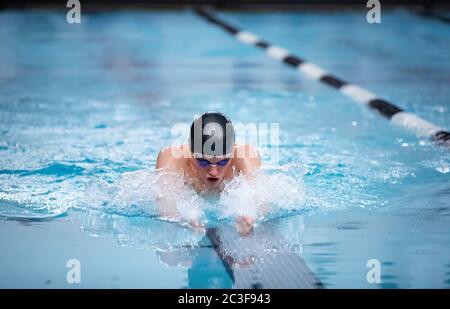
[(214, 183), (209, 185)]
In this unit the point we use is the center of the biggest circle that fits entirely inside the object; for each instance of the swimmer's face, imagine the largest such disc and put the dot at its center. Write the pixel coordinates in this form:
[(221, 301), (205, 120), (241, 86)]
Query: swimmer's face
[(211, 170)]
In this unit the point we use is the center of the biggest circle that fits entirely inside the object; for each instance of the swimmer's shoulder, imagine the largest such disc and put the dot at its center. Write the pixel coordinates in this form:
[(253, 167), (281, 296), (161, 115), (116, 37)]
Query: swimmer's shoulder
[(246, 157), (172, 157), (245, 151)]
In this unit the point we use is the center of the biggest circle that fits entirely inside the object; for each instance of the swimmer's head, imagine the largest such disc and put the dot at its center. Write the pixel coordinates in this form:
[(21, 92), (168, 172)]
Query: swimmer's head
[(211, 142), (212, 134)]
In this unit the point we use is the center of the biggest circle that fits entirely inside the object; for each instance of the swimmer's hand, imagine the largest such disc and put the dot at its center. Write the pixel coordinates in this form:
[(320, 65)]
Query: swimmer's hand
[(244, 225), (196, 226)]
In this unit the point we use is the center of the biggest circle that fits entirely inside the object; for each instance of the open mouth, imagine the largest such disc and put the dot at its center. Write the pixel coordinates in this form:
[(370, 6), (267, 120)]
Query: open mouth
[(213, 179)]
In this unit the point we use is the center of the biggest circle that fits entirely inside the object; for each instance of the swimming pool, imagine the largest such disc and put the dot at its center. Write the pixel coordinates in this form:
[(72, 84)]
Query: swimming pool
[(84, 110)]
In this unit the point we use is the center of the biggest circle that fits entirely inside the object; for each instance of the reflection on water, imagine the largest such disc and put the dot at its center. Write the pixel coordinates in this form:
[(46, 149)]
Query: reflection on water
[(204, 267), (179, 246), (141, 232)]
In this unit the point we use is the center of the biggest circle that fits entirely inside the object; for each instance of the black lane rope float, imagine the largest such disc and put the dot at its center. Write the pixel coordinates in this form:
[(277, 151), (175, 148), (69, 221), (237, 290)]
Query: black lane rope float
[(433, 14), (358, 94)]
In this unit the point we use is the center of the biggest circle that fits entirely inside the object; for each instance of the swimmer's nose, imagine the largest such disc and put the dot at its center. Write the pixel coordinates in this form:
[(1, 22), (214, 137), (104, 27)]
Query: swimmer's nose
[(213, 171)]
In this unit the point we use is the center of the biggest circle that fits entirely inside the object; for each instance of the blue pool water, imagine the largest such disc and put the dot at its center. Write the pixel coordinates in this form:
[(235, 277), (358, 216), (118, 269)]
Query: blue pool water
[(84, 110)]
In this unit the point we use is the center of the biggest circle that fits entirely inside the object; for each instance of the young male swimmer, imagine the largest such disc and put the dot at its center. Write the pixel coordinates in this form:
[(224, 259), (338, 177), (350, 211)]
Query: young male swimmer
[(210, 158)]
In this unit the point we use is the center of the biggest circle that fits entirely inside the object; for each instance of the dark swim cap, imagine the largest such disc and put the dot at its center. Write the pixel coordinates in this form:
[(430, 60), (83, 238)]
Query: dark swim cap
[(212, 134)]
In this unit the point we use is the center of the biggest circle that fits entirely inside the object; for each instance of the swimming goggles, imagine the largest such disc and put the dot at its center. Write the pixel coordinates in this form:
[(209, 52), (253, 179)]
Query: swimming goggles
[(206, 163)]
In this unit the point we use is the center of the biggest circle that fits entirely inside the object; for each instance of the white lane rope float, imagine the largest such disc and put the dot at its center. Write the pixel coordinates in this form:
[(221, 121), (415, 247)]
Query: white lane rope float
[(358, 94)]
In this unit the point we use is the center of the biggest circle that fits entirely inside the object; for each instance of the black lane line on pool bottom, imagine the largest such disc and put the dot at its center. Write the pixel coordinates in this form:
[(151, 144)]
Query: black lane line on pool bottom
[(360, 95), (213, 236), (268, 270)]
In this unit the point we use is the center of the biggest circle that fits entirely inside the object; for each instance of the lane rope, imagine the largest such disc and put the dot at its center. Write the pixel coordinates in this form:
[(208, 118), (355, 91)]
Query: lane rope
[(358, 94), (432, 14)]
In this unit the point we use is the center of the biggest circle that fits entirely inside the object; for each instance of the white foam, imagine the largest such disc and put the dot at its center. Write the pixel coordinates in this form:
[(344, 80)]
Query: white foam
[(153, 193), (262, 195), (116, 208)]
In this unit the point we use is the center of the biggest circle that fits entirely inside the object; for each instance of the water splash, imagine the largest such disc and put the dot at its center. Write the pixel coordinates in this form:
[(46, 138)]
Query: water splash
[(139, 231), (129, 207), (147, 192), (264, 195)]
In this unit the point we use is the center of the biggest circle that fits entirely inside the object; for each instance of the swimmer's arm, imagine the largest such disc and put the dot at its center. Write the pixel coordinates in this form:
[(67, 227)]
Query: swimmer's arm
[(168, 168), (167, 206), (249, 162), (248, 159), (165, 159)]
